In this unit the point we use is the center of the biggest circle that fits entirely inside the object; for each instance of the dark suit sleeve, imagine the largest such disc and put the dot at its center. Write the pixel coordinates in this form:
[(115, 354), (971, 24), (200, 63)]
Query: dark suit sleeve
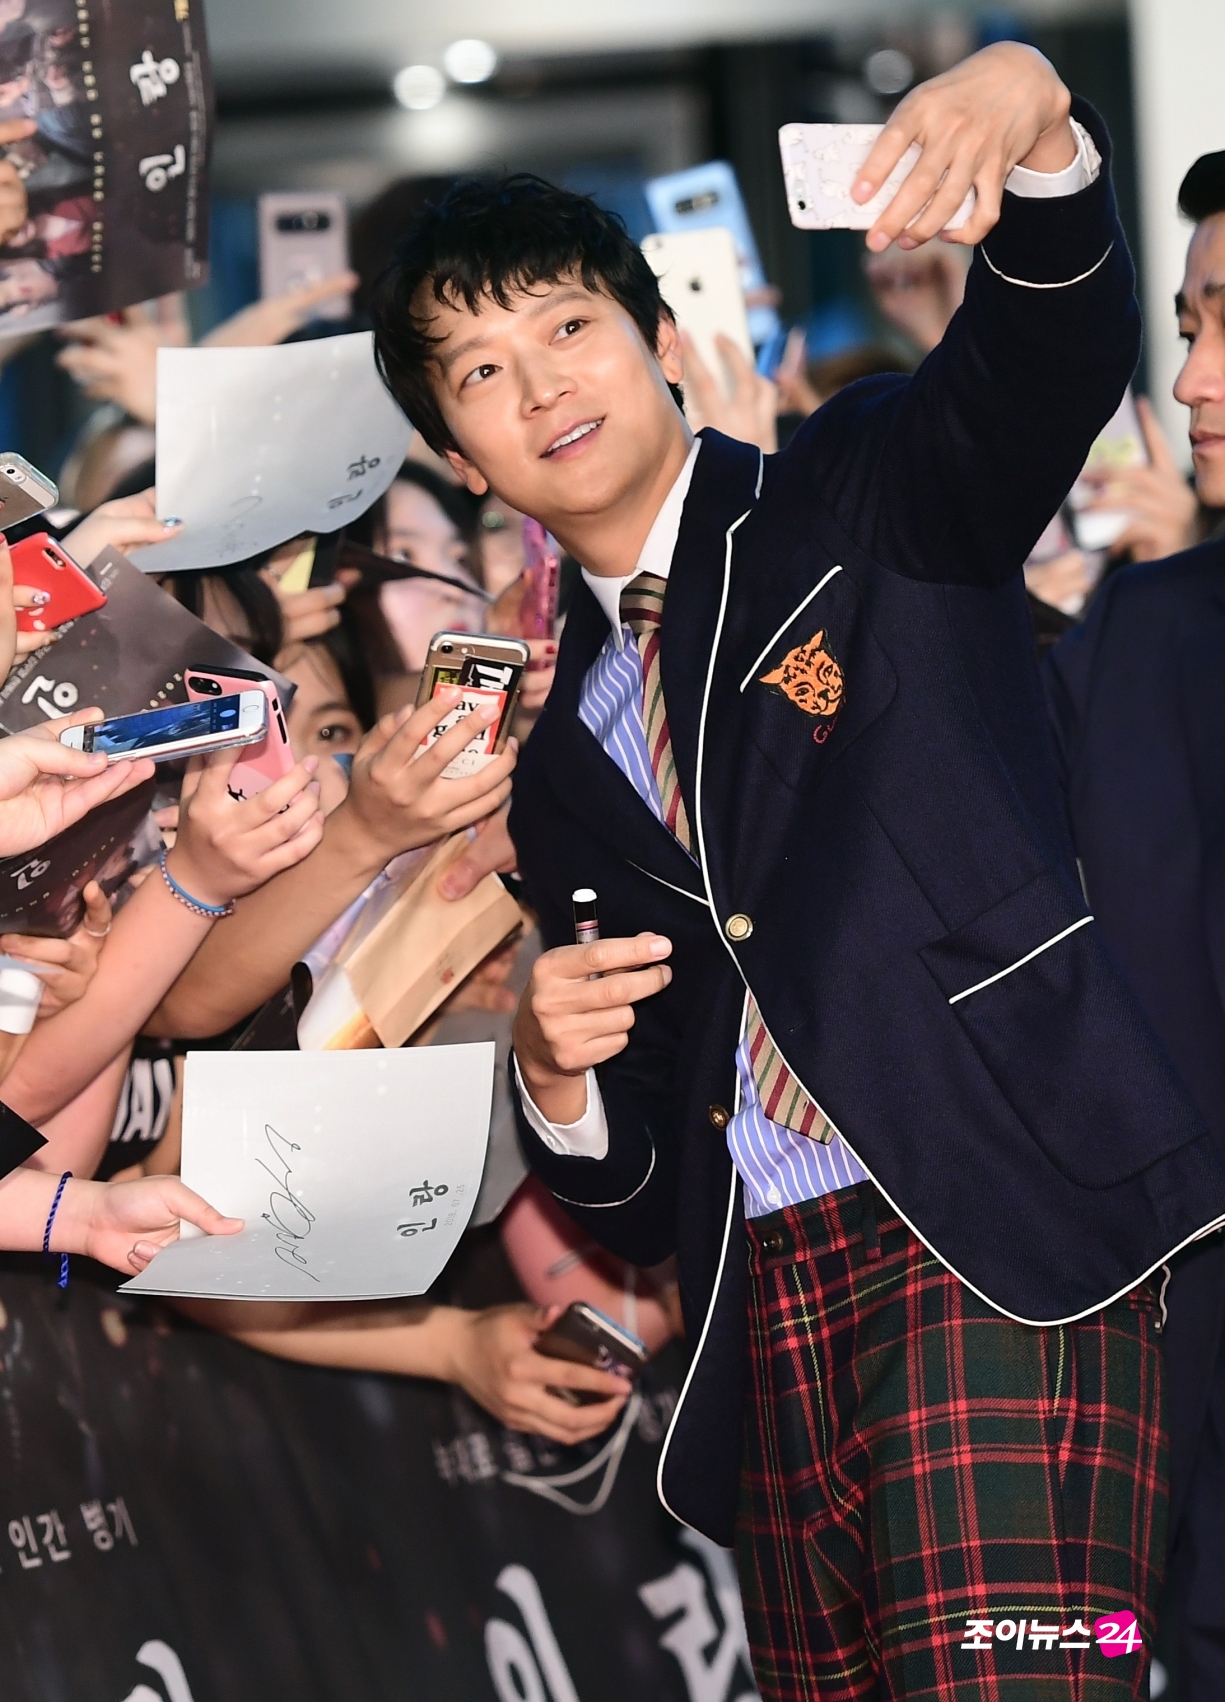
[(952, 475), (1068, 671), (626, 1201)]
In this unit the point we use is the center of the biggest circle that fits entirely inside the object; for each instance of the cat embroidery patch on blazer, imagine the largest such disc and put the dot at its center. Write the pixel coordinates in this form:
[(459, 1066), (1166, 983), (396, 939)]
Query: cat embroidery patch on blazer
[(811, 678)]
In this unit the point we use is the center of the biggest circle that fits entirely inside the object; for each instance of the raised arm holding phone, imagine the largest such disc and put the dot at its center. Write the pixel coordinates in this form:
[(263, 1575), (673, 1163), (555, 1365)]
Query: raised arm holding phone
[(855, 1051)]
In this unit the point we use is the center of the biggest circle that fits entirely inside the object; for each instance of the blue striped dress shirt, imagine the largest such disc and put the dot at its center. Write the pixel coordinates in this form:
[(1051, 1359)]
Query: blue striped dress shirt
[(777, 1166)]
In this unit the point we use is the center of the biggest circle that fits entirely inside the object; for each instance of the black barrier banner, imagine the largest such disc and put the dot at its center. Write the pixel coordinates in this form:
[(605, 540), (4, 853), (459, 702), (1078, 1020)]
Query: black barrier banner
[(116, 170), (184, 1520)]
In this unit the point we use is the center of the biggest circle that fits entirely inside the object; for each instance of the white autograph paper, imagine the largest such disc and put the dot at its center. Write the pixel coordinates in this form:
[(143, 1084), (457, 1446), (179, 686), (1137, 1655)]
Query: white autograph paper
[(355, 1172), (255, 446)]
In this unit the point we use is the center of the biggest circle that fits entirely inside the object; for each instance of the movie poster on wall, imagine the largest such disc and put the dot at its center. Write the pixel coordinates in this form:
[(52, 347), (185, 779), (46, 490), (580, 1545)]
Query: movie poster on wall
[(115, 172)]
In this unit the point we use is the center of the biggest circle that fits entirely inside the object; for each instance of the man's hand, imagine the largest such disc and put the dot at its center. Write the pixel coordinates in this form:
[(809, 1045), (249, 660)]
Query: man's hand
[(1000, 108), (568, 1023), (495, 1361)]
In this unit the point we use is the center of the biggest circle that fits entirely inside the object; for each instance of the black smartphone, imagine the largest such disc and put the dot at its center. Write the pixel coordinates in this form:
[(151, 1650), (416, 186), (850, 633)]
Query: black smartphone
[(586, 1336)]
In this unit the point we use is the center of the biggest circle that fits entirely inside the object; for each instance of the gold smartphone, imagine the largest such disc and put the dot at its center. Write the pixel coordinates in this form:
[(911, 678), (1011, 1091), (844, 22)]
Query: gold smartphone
[(487, 670)]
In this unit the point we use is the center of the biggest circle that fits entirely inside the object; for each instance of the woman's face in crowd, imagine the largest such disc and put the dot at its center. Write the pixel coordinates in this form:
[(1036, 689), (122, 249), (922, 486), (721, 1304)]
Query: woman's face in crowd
[(321, 718), (418, 531)]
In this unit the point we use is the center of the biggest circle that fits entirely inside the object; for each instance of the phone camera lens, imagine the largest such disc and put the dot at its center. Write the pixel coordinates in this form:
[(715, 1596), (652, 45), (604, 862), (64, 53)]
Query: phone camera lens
[(446, 649)]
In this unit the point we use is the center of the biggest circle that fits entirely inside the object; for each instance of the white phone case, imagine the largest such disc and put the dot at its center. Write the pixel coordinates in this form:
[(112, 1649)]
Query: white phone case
[(820, 165), (699, 278)]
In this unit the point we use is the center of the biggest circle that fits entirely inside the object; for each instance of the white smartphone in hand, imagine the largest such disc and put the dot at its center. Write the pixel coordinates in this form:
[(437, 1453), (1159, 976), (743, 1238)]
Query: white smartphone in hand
[(179, 730), (707, 195), (699, 278), (821, 164), (303, 238)]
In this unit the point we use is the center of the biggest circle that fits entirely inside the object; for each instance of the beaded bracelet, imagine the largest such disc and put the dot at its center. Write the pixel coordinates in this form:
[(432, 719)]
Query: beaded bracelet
[(196, 905), (62, 1280)]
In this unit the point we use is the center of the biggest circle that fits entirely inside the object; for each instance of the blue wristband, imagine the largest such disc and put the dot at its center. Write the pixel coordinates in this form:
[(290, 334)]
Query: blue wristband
[(62, 1280), (212, 911)]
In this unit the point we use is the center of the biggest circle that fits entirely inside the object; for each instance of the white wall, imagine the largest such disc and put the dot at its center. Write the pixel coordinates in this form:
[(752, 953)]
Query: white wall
[(1178, 61)]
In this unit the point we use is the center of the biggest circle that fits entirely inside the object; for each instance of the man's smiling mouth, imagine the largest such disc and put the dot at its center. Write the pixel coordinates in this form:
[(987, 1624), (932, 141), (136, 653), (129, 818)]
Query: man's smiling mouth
[(575, 436)]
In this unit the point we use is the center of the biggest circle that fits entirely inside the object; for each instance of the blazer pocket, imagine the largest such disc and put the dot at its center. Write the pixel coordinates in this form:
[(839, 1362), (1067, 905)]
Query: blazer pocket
[(1049, 1014)]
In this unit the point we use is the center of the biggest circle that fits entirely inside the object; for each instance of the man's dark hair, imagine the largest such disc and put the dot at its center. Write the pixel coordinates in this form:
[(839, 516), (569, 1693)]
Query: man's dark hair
[(1202, 191), (492, 240)]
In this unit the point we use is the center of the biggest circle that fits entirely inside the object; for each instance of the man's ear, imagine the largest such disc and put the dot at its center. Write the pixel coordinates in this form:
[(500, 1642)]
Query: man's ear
[(668, 348), (466, 472)]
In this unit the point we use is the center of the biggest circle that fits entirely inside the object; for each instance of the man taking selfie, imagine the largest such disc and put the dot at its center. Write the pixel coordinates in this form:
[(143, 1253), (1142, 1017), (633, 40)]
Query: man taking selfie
[(1138, 699), (851, 1045)]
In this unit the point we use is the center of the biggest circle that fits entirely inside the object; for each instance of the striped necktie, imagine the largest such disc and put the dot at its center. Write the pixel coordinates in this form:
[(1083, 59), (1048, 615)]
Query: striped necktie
[(782, 1098), (642, 603)]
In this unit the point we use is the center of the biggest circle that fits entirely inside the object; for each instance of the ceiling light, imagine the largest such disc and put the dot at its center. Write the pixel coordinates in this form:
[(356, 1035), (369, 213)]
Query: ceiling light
[(889, 71), (419, 87), (470, 61)]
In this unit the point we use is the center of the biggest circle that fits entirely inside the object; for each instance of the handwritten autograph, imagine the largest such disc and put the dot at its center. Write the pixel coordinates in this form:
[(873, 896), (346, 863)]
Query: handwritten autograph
[(291, 1220)]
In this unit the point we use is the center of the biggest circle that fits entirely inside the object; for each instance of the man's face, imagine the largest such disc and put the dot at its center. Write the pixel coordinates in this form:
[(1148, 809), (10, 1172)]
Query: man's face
[(557, 402), (1201, 383)]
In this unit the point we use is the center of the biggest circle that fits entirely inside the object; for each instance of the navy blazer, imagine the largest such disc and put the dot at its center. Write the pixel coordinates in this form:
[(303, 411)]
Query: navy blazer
[(1137, 698), (920, 949)]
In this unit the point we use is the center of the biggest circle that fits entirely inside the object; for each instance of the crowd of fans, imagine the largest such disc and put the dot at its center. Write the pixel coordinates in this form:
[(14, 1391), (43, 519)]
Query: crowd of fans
[(146, 976)]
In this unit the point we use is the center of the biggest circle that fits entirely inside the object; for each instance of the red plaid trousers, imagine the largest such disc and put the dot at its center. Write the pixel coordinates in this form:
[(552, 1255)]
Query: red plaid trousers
[(914, 1460)]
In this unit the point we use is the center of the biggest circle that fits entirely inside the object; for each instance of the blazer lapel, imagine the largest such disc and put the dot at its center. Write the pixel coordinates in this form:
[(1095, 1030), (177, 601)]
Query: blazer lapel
[(726, 479), (738, 619)]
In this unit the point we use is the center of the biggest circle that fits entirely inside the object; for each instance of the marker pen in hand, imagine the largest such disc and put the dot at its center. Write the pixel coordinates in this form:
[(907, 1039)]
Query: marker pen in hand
[(586, 922)]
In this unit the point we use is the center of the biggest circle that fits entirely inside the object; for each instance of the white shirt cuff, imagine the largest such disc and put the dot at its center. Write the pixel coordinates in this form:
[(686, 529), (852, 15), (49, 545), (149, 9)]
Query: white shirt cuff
[(1083, 171), (588, 1138)]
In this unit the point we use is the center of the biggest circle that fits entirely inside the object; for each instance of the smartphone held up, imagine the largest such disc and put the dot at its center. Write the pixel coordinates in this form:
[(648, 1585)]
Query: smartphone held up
[(24, 491), (269, 758), (488, 672), (177, 731), (821, 163)]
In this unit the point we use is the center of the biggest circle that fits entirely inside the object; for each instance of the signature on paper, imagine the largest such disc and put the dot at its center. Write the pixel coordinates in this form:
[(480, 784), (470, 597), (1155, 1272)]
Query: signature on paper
[(290, 1219)]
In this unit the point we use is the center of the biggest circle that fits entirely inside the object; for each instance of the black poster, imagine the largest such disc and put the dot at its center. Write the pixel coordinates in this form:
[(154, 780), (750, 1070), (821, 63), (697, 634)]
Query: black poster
[(116, 172), (184, 1520)]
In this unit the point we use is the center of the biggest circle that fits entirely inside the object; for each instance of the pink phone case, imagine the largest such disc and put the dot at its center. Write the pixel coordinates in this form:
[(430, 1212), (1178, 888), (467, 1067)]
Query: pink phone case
[(265, 762)]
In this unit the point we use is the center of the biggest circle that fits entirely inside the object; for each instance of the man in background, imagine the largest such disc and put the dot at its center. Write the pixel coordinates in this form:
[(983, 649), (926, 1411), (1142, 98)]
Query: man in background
[(1138, 698)]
